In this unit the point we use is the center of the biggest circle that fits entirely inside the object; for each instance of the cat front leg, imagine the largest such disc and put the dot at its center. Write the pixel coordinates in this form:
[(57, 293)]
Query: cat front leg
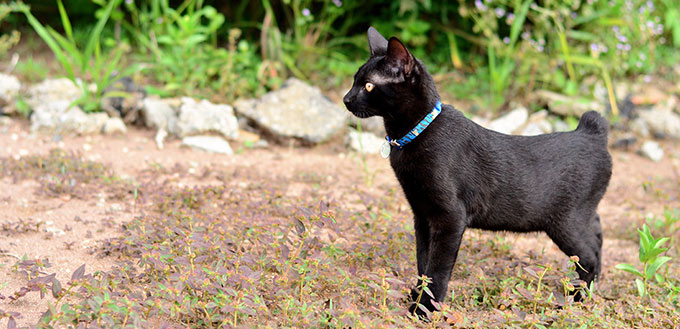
[(446, 233), (422, 229)]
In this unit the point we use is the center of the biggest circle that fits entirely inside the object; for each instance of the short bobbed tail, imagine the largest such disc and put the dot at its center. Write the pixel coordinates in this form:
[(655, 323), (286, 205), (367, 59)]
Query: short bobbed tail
[(594, 124)]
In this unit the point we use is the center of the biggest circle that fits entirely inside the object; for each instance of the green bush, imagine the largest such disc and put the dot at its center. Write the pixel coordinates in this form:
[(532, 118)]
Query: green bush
[(501, 48)]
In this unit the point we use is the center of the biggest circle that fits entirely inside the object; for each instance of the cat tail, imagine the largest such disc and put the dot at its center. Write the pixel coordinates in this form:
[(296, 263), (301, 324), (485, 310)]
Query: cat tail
[(593, 123)]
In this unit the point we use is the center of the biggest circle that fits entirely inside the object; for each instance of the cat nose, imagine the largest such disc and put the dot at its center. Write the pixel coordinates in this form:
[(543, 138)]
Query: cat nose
[(347, 99)]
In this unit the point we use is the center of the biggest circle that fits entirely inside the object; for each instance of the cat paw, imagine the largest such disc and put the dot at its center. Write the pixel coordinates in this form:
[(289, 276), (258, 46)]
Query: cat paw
[(425, 304)]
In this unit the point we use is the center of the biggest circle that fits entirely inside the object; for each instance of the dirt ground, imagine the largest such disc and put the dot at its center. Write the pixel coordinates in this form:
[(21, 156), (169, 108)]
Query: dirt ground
[(67, 231)]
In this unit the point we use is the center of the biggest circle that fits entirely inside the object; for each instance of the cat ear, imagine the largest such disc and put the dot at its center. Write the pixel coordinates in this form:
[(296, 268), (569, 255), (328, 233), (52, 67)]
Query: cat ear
[(399, 56), (376, 42)]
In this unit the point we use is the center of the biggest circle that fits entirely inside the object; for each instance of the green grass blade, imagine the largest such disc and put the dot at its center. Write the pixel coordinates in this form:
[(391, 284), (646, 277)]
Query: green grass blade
[(517, 24), (66, 46), (588, 18), (51, 43), (65, 22), (96, 32)]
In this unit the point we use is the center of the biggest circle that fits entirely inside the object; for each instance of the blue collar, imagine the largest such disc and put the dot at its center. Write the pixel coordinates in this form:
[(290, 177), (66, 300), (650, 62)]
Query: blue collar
[(419, 128)]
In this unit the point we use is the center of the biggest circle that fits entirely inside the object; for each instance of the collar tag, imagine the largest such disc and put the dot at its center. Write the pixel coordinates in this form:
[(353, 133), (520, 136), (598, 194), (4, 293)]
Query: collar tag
[(385, 150)]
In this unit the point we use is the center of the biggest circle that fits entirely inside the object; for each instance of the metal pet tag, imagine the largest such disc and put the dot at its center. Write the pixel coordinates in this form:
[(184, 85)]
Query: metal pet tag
[(385, 150)]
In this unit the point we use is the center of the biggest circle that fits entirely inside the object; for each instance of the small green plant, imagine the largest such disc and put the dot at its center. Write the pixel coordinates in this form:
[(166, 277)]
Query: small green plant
[(87, 63), (31, 69), (651, 260), (185, 57)]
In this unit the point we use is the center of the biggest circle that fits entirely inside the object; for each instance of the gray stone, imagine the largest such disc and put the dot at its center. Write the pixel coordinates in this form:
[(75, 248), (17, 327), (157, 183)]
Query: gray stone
[(640, 127), (213, 144), (532, 129), (197, 117), (158, 113), (113, 126), (511, 121), (9, 89), (52, 111), (626, 142), (297, 110), (566, 105), (374, 124), (484, 122), (652, 150), (50, 90), (58, 117), (662, 122), (560, 126), (537, 124), (367, 142)]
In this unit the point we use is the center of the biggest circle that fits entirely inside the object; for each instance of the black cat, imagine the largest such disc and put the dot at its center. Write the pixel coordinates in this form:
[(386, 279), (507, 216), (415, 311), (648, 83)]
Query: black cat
[(457, 174)]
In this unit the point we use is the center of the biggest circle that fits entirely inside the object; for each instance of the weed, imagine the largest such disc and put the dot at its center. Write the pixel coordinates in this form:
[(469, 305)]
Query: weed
[(229, 255), (31, 69), (650, 257), (87, 62)]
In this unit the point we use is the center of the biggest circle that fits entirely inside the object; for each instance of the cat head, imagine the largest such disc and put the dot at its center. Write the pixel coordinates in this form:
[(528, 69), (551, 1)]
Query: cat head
[(390, 81)]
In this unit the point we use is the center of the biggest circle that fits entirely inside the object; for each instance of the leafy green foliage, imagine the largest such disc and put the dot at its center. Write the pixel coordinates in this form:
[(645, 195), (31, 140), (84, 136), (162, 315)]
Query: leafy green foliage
[(650, 257), (501, 49), (185, 58), (88, 63)]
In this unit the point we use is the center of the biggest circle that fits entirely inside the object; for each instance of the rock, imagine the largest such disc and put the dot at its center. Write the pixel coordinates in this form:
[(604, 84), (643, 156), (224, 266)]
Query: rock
[(202, 117), (9, 89), (158, 113), (57, 117), (662, 122), (213, 144), (566, 105), (640, 127), (625, 143), (560, 126), (532, 129), (484, 122), (367, 142), (374, 124), (652, 150), (537, 124), (297, 110), (113, 126), (52, 111), (52, 90), (511, 121)]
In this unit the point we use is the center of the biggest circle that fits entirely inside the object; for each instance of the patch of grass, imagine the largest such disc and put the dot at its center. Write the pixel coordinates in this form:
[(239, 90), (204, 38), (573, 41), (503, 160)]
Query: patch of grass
[(63, 173), (32, 70), (247, 255)]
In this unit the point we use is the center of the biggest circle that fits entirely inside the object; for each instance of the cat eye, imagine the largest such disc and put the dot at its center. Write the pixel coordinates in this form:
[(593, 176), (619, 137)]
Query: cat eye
[(369, 86)]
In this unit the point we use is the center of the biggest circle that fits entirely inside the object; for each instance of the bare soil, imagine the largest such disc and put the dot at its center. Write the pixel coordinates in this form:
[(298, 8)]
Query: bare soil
[(66, 231)]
